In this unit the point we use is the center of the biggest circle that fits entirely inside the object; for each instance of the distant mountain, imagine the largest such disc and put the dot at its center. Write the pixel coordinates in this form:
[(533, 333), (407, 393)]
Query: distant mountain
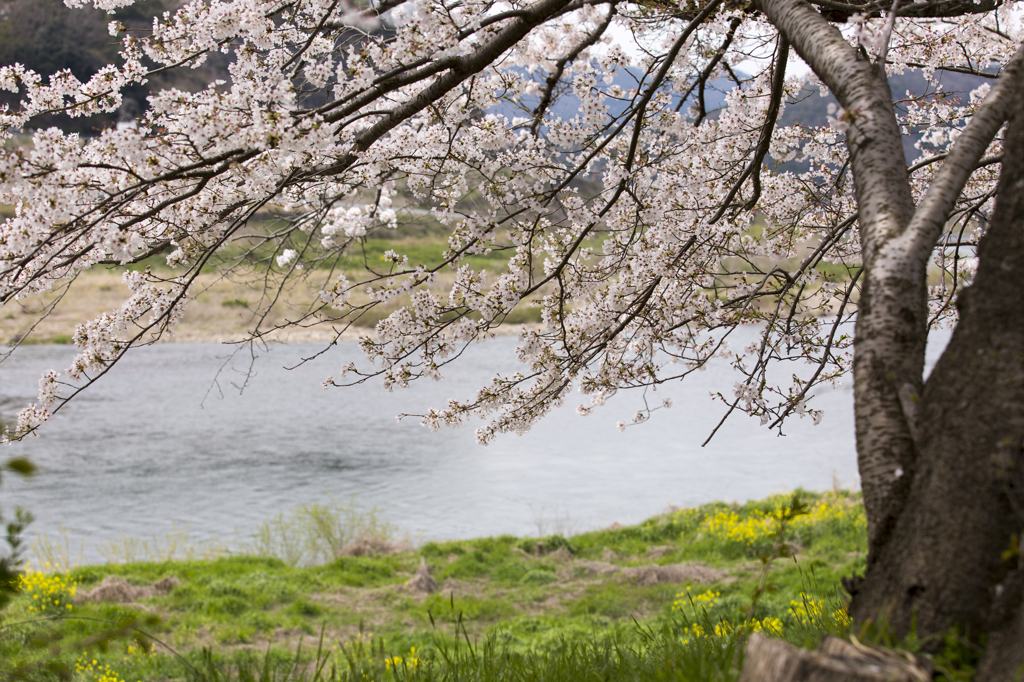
[(808, 107), (566, 105), (47, 36)]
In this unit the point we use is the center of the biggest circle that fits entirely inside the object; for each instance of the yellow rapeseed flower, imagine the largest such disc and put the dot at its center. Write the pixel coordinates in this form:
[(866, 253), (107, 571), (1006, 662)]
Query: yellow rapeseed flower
[(49, 592), (410, 661), (705, 600), (748, 529), (95, 672), (769, 625), (810, 611)]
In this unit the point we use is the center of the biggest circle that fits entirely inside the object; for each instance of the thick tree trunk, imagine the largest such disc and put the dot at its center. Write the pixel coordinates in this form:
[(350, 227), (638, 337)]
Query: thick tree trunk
[(940, 464), (951, 559)]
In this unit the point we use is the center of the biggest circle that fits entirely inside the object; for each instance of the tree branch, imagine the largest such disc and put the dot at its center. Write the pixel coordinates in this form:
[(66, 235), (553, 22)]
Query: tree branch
[(556, 74), (765, 140), (962, 160)]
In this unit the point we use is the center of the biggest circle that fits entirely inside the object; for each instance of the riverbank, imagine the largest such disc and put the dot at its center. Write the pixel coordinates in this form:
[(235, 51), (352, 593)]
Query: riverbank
[(686, 578), (223, 312)]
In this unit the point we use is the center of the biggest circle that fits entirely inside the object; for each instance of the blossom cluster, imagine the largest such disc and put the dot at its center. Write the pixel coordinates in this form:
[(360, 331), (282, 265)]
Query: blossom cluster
[(645, 226)]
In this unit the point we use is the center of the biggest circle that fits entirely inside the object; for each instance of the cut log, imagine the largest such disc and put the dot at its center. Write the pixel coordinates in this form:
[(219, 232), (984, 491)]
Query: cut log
[(836, 660)]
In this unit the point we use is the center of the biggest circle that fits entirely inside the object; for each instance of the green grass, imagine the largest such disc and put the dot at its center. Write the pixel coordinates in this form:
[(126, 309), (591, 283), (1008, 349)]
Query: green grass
[(428, 251), (60, 339), (508, 608)]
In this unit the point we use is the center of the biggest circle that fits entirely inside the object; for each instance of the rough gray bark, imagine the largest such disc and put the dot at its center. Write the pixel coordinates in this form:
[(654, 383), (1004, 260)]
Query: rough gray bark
[(1004, 655), (940, 463), (951, 559)]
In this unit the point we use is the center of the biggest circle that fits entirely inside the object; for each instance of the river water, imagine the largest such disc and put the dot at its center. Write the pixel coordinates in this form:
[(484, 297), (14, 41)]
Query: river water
[(151, 446)]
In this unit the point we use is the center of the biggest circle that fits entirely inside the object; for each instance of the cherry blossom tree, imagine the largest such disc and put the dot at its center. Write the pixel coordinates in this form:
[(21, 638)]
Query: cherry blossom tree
[(643, 225)]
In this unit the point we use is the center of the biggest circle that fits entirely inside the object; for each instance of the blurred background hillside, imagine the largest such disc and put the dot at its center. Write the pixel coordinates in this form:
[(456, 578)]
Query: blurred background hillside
[(47, 37)]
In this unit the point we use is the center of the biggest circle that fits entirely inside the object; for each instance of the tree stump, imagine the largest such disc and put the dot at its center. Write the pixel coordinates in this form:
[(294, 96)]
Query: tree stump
[(836, 660), (422, 581)]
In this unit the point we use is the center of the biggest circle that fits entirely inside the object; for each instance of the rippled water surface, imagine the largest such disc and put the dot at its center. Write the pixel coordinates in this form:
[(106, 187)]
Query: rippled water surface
[(143, 450)]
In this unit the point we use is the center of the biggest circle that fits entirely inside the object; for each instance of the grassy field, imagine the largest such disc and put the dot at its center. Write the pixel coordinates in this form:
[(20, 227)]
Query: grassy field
[(224, 308), (670, 598)]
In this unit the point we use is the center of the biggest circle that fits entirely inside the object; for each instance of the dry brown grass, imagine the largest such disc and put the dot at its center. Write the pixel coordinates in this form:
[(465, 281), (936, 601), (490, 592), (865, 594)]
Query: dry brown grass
[(222, 311)]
